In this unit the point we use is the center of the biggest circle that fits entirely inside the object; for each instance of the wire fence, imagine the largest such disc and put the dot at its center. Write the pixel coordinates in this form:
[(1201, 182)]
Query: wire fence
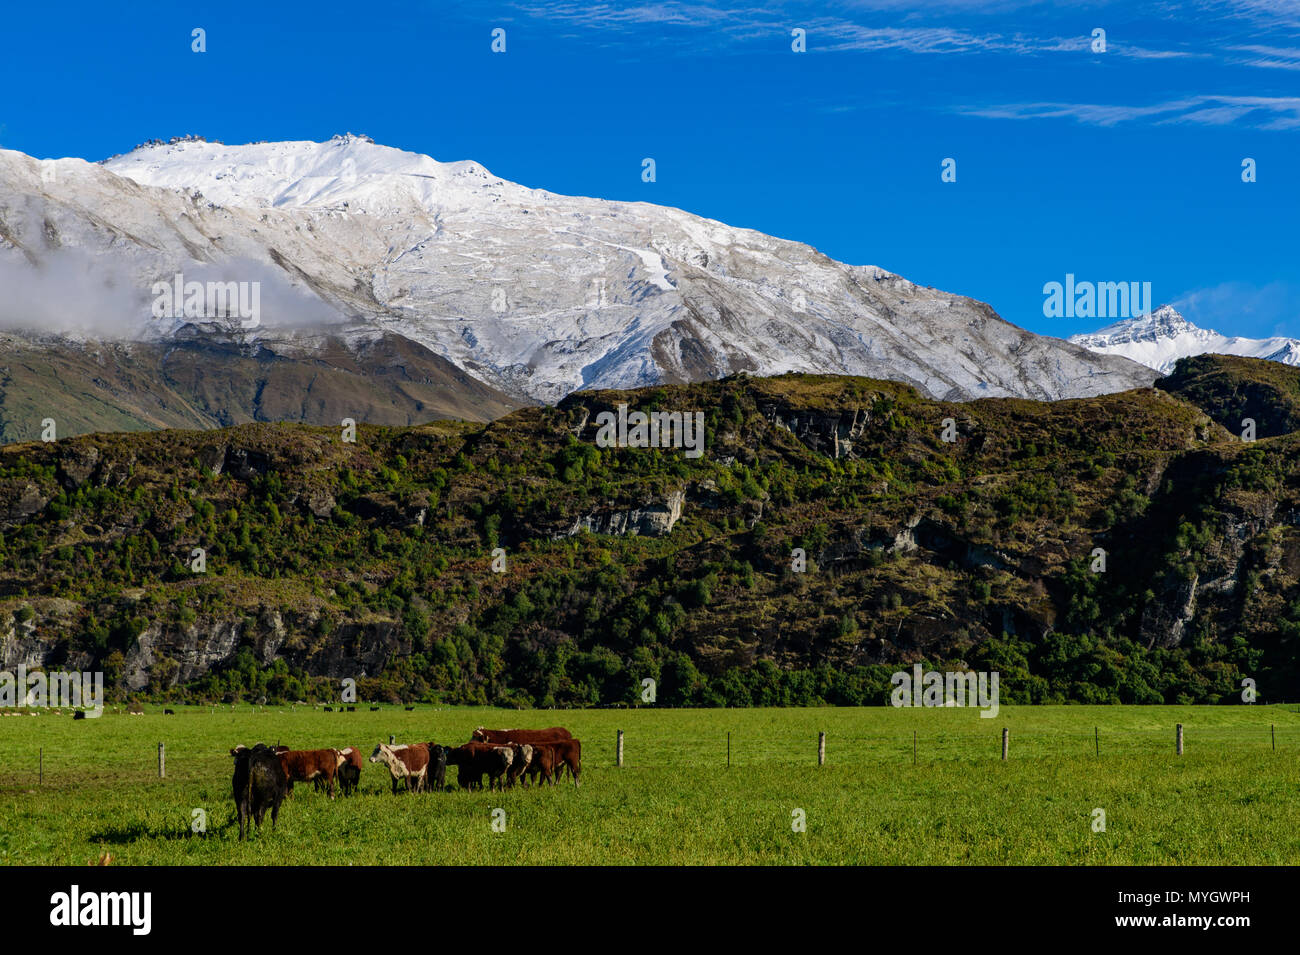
[(27, 767), (739, 749)]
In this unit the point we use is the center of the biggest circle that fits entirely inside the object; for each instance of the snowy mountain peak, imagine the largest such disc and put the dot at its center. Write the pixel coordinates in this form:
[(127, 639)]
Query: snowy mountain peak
[(345, 171), (1158, 340), (1164, 322)]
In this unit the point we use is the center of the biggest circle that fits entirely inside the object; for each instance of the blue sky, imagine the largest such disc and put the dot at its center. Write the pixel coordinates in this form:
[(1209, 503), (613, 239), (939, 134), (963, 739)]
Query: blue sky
[(1115, 166)]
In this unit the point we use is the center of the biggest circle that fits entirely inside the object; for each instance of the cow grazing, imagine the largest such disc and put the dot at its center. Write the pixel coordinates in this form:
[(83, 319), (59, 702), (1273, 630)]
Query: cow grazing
[(474, 760), (349, 773), (259, 783), (306, 765), (406, 763)]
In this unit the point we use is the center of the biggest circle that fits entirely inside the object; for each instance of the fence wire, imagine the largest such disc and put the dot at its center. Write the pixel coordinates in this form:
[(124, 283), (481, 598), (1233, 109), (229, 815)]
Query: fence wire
[(28, 766)]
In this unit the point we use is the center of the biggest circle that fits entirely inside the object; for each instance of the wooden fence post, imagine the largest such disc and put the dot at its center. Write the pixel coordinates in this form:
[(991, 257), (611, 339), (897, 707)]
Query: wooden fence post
[(1005, 738), (162, 761), (391, 739), (728, 749), (821, 749), (1272, 734), (1180, 739), (618, 755)]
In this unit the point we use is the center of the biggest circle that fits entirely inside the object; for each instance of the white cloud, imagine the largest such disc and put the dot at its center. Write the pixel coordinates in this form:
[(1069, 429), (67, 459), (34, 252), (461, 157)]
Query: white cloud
[(1264, 112), (925, 28)]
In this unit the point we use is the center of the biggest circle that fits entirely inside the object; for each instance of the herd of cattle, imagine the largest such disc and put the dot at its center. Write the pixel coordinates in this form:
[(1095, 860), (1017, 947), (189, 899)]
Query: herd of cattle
[(264, 775)]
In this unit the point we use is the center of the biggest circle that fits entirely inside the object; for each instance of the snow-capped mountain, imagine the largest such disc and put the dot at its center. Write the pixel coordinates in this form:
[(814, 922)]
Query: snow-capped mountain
[(1158, 340), (534, 293)]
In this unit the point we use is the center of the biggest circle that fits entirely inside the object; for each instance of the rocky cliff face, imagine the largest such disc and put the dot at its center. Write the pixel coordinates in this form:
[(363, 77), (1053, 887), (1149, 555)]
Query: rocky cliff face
[(652, 519), (826, 433)]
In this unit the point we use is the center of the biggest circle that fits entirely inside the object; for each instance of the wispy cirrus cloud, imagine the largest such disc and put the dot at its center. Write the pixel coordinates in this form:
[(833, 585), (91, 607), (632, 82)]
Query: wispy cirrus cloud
[(1264, 112), (621, 16), (1269, 57), (936, 27), (839, 36), (1272, 13)]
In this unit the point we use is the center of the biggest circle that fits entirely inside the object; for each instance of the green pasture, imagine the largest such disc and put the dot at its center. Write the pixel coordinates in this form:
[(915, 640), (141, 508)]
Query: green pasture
[(900, 786)]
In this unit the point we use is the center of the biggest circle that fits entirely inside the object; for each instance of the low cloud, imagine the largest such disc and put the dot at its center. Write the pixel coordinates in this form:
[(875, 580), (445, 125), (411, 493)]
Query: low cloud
[(72, 292), (75, 293)]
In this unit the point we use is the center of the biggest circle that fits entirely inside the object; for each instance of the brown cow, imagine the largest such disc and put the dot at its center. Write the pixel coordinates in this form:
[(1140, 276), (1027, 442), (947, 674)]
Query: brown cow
[(542, 764), (482, 735), (304, 765), (563, 752), (523, 755), (406, 762), (525, 736)]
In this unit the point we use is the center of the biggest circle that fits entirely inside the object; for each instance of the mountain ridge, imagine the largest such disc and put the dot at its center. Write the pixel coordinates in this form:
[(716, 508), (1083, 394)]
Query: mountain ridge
[(534, 294)]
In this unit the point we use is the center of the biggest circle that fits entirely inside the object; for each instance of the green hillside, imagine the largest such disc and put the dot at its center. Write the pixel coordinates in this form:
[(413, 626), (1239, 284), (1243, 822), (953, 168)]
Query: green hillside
[(327, 560)]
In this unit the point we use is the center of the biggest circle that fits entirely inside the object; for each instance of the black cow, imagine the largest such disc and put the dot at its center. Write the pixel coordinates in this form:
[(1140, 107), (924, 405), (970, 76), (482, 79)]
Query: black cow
[(437, 777), (349, 772), (79, 715), (475, 759), (260, 783)]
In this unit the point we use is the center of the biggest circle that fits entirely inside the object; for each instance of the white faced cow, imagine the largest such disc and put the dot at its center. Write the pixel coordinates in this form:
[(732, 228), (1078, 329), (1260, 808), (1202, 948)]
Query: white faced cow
[(406, 763)]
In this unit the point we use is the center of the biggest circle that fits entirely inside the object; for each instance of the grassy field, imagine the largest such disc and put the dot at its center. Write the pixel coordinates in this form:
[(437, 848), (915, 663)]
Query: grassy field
[(1230, 799)]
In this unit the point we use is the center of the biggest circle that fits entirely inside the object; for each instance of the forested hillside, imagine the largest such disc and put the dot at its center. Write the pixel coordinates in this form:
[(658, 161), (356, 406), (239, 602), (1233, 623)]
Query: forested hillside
[(324, 559)]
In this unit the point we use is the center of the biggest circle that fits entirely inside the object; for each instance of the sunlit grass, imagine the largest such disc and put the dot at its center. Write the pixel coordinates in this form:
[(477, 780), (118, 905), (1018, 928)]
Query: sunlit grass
[(1230, 799)]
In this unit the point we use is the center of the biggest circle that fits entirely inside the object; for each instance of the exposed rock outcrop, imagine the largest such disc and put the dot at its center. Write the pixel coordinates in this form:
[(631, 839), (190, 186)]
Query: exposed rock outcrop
[(652, 519)]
